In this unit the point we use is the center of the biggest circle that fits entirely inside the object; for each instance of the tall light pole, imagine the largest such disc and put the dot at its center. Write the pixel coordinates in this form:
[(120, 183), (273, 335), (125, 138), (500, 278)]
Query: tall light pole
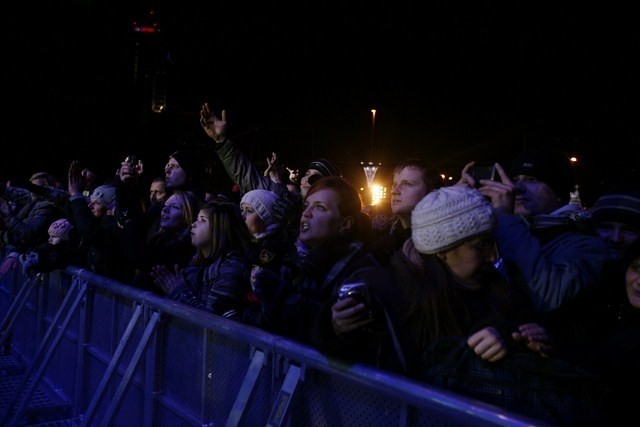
[(373, 128), (369, 167)]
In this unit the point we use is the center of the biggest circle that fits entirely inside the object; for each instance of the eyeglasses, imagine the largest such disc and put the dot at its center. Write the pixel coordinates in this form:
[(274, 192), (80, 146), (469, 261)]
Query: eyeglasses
[(483, 245), (486, 246)]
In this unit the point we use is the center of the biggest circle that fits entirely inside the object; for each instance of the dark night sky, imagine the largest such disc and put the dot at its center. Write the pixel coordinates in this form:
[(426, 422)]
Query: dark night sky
[(451, 82)]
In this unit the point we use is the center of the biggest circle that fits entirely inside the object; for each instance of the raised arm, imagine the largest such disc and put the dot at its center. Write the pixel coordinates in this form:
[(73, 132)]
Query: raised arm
[(239, 167), (215, 127)]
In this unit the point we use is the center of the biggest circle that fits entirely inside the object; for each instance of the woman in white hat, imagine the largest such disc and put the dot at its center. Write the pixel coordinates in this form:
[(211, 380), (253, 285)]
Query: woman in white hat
[(442, 283)]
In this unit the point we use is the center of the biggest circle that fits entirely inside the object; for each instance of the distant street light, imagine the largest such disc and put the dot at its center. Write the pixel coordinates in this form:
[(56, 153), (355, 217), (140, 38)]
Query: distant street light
[(369, 167), (370, 171), (373, 126)]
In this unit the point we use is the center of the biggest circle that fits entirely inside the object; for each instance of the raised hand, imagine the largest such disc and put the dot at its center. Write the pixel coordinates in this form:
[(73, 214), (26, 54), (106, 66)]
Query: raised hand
[(130, 170), (76, 179), (294, 175), (273, 168), (215, 127)]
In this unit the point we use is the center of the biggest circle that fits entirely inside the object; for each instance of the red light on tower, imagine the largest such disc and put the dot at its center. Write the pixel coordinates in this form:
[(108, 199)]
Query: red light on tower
[(147, 25), (144, 29)]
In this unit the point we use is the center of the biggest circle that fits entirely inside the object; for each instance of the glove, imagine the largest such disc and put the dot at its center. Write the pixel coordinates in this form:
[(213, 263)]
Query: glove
[(287, 208), (30, 264), (264, 283)]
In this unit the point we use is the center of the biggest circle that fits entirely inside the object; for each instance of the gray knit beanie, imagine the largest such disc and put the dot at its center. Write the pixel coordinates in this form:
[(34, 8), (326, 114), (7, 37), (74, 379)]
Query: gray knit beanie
[(448, 216), (105, 194), (262, 202)]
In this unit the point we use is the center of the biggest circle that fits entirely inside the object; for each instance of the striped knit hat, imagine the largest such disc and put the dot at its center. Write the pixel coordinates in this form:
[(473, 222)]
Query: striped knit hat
[(623, 207)]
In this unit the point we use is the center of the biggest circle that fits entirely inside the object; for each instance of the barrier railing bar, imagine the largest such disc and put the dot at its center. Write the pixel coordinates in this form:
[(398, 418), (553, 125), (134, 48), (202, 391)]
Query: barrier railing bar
[(42, 365), (113, 364), (246, 389), (124, 383), (282, 403)]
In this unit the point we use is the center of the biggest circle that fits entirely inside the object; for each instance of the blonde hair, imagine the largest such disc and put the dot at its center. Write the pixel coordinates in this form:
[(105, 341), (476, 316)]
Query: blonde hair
[(190, 205)]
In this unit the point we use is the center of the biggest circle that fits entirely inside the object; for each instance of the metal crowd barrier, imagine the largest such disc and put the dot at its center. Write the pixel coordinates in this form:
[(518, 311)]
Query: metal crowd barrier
[(79, 349)]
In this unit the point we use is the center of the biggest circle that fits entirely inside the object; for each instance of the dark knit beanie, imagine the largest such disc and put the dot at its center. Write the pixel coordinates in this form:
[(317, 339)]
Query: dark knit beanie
[(549, 166), (192, 164), (325, 167), (622, 207)]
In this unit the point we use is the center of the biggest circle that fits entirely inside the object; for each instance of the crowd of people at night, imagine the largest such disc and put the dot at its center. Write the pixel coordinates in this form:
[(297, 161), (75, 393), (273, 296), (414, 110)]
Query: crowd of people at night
[(514, 264)]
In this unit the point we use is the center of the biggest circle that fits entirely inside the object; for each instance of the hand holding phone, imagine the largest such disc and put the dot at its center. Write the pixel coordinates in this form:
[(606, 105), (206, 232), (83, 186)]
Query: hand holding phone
[(484, 172)]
